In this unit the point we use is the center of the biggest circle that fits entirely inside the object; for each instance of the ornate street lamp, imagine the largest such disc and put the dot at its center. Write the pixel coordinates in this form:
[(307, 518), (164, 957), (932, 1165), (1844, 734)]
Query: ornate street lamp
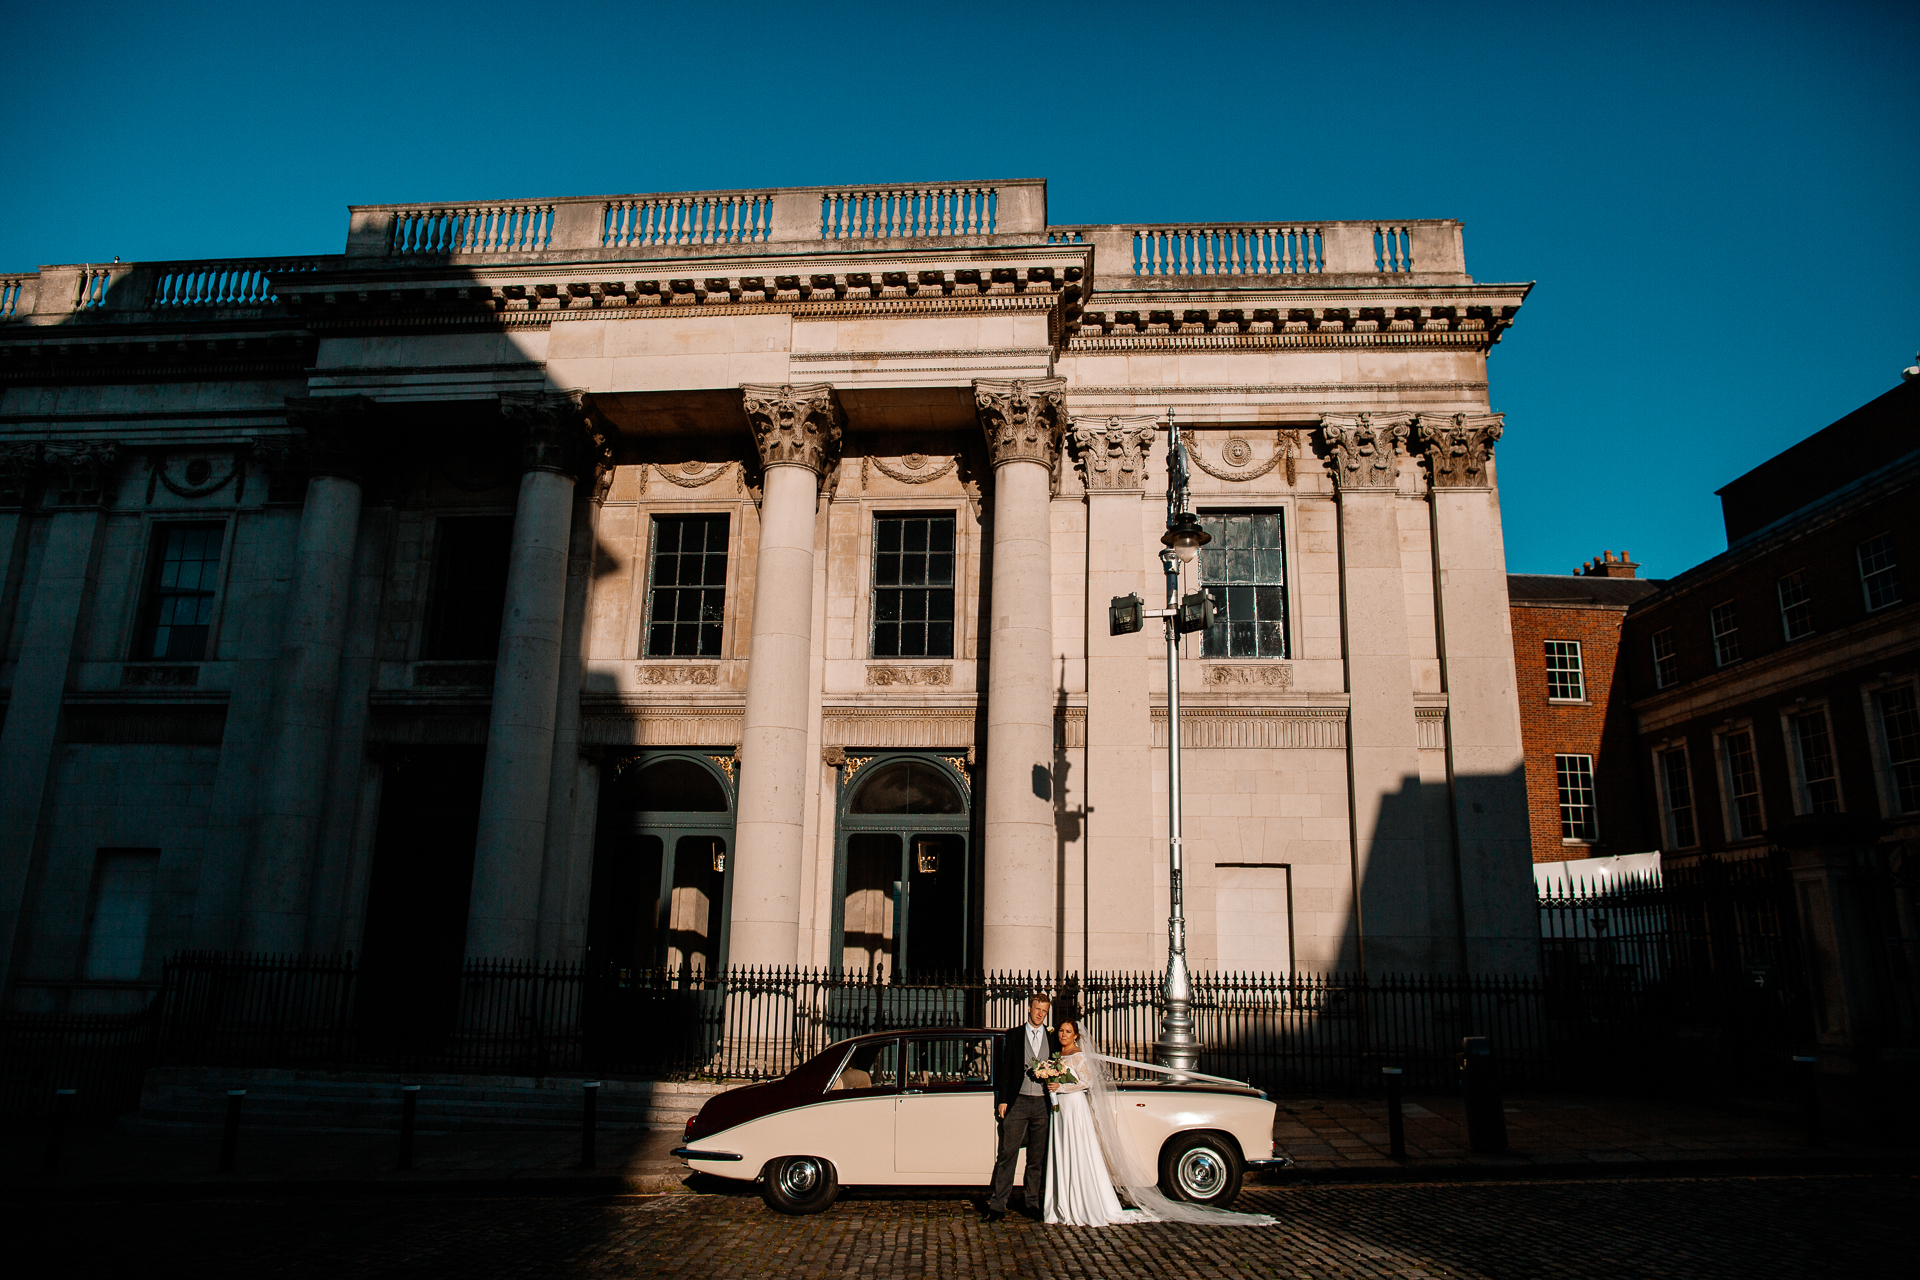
[(1176, 1047)]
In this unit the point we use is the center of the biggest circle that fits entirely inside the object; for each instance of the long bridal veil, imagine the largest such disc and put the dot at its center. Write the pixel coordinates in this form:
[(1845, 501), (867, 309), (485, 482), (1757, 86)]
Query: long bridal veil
[(1134, 1174)]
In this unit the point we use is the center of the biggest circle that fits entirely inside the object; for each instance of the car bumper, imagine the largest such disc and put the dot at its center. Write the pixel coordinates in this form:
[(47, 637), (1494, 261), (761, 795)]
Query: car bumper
[(694, 1153), (1278, 1162)]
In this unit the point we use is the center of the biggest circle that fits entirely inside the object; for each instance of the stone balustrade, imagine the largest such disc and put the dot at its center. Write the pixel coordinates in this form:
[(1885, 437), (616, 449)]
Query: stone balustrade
[(891, 217)]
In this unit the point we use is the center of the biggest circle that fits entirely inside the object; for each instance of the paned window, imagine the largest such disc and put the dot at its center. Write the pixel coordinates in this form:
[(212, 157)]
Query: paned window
[(1244, 569), (1879, 574), (1796, 606), (1577, 818), (1900, 735), (1743, 785), (1666, 667), (469, 587), (1726, 635), (179, 612), (687, 600), (1677, 789), (1819, 787), (1565, 680), (913, 585)]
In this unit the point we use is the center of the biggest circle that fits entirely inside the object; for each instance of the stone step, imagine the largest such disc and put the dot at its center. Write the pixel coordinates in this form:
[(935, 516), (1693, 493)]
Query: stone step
[(174, 1097)]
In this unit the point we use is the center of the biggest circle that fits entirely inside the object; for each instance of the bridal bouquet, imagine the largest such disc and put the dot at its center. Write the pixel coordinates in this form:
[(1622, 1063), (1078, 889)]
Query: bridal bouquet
[(1052, 1071)]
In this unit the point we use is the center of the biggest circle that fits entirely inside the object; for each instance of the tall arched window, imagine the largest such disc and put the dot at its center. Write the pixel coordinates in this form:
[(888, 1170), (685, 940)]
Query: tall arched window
[(660, 868), (904, 866)]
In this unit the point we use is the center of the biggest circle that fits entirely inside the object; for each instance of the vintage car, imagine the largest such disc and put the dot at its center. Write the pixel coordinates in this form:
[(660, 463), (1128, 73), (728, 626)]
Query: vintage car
[(915, 1108)]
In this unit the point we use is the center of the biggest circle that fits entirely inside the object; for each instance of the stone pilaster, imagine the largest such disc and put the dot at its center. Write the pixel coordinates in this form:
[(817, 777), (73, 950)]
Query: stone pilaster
[(1390, 866), (1122, 840), (796, 430), (1024, 423), (279, 868), (558, 448), (79, 478), (1484, 752)]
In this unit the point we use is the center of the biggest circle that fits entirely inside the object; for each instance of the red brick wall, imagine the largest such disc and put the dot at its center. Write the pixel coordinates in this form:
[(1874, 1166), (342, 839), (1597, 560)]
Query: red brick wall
[(1595, 727)]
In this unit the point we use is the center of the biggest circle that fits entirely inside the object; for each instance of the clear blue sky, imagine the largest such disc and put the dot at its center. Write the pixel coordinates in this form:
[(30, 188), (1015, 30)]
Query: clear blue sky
[(1718, 201)]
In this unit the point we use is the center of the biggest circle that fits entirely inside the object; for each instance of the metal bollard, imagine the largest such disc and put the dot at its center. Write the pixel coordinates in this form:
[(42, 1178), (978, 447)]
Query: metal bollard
[(57, 1131), (591, 1088), (1480, 1083), (1396, 1123), (409, 1103), (1810, 1098), (230, 1139)]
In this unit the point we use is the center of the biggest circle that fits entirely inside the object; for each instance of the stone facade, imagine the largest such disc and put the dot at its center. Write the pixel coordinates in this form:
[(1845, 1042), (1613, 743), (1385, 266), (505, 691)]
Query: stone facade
[(798, 511)]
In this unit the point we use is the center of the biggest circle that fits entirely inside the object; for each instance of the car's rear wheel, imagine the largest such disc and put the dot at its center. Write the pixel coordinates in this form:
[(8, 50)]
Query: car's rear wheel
[(799, 1184), (1200, 1168)]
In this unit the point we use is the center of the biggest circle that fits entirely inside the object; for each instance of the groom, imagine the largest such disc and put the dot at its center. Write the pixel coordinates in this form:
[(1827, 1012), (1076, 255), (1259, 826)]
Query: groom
[(1023, 1107)]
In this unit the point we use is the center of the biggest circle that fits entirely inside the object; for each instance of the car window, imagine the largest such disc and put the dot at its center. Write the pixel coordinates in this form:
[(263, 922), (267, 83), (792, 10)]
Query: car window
[(874, 1065), (950, 1062)]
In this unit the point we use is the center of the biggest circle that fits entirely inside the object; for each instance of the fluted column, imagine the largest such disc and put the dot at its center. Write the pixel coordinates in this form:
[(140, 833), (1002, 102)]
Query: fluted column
[(307, 677), (1123, 846), (81, 475), (797, 432), (504, 911), (1485, 758), (1023, 422), (1390, 873)]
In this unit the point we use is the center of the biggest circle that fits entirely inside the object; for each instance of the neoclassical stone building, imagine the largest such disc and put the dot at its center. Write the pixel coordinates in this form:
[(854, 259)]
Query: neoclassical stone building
[(722, 578)]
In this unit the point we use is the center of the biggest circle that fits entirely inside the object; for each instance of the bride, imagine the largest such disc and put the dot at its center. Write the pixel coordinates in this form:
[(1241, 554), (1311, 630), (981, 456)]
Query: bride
[(1087, 1153)]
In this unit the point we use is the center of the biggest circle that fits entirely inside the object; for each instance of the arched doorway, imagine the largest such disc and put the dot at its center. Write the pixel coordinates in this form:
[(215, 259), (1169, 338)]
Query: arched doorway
[(660, 882), (901, 872)]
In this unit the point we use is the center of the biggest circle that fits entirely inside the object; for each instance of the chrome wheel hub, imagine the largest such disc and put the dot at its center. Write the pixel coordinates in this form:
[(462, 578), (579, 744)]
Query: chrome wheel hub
[(1200, 1174), (800, 1178)]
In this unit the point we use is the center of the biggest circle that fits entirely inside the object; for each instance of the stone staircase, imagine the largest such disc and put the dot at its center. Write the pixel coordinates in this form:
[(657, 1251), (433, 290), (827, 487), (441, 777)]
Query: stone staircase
[(369, 1102)]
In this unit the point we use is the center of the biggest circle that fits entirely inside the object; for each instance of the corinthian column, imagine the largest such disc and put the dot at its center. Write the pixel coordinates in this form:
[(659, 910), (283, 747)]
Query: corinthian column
[(504, 911), (1390, 874), (1122, 849), (307, 677), (1485, 757), (797, 432), (1024, 422)]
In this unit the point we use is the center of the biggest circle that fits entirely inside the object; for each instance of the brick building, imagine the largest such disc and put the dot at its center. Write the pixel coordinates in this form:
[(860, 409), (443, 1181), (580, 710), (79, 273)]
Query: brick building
[(1574, 720)]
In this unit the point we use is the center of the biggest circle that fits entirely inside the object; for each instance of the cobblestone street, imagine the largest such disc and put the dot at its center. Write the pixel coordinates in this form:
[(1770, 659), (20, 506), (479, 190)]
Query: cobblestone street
[(1827, 1225)]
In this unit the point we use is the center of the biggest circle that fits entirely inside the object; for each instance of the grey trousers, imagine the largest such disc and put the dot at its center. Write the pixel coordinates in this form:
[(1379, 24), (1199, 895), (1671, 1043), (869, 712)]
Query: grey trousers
[(1025, 1125)]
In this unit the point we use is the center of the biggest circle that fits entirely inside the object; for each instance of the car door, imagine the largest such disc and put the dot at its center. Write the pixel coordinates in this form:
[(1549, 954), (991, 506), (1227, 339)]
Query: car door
[(853, 1123), (943, 1129)]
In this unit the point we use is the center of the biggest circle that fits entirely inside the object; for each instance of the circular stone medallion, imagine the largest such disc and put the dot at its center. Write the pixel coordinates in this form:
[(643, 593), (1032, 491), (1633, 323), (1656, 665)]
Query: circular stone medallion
[(1237, 452)]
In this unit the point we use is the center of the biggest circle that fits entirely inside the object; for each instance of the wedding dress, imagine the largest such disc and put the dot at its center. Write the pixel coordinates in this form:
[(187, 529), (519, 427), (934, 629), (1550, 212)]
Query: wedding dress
[(1088, 1156)]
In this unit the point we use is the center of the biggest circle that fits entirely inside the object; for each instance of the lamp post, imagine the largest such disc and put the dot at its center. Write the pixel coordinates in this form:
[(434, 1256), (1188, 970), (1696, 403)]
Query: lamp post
[(1177, 1047)]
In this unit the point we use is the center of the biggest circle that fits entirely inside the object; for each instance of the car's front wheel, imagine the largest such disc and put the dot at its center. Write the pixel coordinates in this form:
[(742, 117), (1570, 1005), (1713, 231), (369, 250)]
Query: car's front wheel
[(1200, 1168), (799, 1184)]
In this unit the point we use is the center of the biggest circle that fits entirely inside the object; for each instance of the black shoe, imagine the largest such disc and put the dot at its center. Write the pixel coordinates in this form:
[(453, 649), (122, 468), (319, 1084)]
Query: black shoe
[(993, 1215)]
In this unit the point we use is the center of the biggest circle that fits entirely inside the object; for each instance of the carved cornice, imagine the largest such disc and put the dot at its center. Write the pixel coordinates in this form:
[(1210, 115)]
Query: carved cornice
[(1458, 447), (1112, 456), (557, 434), (82, 471), (794, 425), (1360, 448), (19, 474), (339, 435), (1024, 419)]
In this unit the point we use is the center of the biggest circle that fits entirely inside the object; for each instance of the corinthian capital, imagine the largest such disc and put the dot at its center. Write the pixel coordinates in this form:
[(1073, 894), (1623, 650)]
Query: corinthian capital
[(1112, 455), (1024, 421), (338, 431), (19, 470), (1458, 446), (794, 426), (82, 471), (555, 432), (1360, 448)]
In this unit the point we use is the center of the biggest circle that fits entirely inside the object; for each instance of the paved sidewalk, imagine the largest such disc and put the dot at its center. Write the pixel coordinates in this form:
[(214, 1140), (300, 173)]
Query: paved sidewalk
[(1329, 1139)]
